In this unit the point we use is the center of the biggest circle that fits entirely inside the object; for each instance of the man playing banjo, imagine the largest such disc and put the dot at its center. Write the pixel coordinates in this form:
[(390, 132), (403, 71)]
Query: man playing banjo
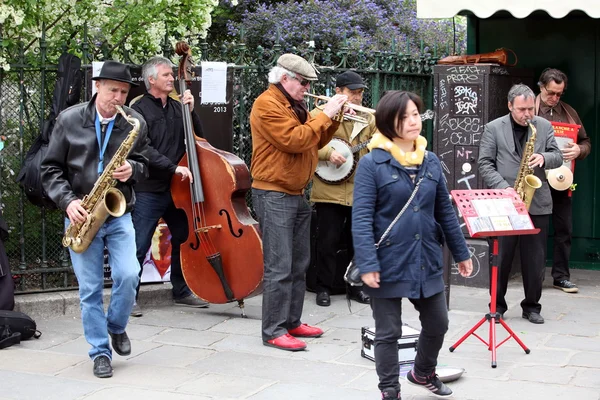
[(332, 188)]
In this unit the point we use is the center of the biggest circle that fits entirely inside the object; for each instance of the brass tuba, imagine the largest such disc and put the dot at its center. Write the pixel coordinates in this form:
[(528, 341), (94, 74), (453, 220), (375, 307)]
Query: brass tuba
[(104, 199), (526, 182)]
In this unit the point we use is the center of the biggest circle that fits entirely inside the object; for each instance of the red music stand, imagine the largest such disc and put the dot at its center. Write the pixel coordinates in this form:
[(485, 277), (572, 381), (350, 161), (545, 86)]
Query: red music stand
[(492, 213)]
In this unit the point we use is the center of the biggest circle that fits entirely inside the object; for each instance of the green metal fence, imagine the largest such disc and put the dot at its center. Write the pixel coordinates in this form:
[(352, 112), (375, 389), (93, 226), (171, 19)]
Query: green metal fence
[(37, 258)]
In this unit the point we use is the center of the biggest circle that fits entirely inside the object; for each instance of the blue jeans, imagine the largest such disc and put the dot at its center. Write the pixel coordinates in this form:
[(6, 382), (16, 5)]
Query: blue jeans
[(118, 235), (285, 225), (149, 208)]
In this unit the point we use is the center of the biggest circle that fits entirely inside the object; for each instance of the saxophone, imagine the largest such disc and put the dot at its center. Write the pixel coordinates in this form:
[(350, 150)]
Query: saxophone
[(526, 182), (104, 199)]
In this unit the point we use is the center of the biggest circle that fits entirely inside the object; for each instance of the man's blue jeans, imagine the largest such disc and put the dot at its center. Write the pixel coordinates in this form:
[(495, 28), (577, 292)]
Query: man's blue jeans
[(149, 208), (285, 225), (119, 237)]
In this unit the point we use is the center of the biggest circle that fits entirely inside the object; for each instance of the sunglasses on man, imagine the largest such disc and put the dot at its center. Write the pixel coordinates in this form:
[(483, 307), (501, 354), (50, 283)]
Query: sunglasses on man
[(303, 82)]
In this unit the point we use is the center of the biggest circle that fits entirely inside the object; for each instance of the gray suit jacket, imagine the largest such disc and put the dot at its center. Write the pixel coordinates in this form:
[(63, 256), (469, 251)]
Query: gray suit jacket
[(499, 161)]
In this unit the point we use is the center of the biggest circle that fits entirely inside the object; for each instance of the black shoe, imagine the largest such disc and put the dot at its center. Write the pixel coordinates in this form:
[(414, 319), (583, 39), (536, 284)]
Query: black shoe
[(499, 318), (191, 301), (102, 367), (533, 317), (136, 311), (121, 343), (359, 296), (323, 299), (431, 383), (390, 393), (566, 286)]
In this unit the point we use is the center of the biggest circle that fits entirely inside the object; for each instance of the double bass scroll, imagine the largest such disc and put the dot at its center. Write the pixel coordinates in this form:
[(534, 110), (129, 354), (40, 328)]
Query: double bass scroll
[(222, 258)]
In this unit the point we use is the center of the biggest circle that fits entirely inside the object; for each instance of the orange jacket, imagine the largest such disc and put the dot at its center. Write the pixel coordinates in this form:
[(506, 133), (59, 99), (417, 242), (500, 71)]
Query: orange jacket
[(284, 151)]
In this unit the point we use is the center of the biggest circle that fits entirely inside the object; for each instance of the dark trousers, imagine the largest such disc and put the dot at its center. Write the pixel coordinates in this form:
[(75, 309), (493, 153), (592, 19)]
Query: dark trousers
[(149, 208), (533, 265), (334, 222), (562, 221), (7, 285), (284, 221), (387, 313)]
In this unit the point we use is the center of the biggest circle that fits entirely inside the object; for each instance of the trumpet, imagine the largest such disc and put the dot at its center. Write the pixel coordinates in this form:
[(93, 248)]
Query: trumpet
[(342, 115), (429, 114)]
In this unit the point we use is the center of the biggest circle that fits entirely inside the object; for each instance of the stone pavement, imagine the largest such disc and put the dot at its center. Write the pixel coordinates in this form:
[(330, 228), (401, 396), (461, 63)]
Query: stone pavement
[(193, 354)]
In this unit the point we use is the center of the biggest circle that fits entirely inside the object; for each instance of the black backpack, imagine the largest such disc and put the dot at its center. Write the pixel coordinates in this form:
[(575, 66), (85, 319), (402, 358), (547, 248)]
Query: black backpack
[(16, 326), (66, 93)]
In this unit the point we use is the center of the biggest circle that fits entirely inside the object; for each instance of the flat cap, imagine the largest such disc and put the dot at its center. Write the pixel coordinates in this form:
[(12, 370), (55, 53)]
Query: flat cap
[(298, 65)]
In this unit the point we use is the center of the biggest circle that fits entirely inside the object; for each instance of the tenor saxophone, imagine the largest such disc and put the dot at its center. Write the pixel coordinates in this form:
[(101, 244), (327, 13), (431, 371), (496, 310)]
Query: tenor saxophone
[(104, 199), (526, 182)]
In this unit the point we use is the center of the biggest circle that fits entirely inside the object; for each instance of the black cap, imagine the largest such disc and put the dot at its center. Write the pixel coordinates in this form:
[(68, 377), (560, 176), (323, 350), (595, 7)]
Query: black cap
[(351, 80), (115, 71)]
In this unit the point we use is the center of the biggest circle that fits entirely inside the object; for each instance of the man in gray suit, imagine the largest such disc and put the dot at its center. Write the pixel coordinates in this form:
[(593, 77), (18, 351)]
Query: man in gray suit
[(500, 153)]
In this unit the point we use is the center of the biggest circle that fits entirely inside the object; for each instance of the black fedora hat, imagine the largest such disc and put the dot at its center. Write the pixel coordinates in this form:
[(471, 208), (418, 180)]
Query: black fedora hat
[(115, 71)]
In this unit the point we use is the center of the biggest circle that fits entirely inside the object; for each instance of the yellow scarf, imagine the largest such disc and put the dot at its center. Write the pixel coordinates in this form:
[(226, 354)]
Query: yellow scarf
[(407, 159)]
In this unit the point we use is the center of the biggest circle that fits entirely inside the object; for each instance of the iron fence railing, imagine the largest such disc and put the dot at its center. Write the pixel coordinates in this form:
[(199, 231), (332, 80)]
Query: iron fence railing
[(38, 260)]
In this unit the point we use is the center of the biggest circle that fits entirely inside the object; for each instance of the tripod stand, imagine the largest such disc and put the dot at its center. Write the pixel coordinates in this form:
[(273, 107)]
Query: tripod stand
[(492, 213), (492, 316)]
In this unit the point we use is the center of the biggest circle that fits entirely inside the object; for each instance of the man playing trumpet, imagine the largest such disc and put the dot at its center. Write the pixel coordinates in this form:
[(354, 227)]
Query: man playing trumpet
[(285, 141), (549, 105), (333, 202)]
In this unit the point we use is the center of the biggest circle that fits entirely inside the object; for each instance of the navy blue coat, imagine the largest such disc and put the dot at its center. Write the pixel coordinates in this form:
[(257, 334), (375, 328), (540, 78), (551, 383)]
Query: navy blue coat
[(410, 259)]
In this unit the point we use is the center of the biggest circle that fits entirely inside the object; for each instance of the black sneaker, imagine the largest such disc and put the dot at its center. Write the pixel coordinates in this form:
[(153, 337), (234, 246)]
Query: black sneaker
[(102, 367), (390, 393), (566, 286), (431, 383)]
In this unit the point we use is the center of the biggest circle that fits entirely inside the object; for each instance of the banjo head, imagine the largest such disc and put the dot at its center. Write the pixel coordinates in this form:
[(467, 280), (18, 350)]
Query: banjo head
[(329, 173)]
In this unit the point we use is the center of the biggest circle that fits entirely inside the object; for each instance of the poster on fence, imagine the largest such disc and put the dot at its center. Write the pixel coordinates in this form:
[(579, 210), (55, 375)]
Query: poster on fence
[(157, 263)]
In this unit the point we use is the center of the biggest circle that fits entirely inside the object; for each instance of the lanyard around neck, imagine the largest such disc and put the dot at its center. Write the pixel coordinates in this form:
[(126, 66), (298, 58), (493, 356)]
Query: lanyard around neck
[(102, 146)]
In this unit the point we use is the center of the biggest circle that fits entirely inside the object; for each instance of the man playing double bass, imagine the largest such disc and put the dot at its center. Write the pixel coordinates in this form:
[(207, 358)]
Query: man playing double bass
[(285, 141), (163, 114)]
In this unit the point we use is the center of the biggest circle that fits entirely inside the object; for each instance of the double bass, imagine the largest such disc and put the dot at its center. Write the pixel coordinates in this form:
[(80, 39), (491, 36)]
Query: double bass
[(222, 258)]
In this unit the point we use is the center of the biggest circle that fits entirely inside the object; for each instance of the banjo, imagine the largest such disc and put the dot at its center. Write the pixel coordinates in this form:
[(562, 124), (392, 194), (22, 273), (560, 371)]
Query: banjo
[(333, 174)]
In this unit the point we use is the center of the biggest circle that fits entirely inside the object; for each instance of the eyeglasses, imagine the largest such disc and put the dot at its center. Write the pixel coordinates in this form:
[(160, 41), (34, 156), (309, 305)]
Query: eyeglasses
[(551, 93), (303, 82)]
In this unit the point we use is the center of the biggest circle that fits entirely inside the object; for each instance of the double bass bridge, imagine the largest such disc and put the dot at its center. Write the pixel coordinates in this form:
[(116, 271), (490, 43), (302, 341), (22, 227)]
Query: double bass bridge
[(206, 229)]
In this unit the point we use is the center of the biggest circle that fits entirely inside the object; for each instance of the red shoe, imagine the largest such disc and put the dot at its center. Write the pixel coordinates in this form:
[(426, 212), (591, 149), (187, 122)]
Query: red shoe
[(305, 330), (286, 342)]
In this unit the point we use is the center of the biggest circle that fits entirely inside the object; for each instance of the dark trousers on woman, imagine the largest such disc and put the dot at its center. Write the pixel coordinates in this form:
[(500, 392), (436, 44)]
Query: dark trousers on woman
[(334, 223), (284, 221), (533, 265), (149, 208), (433, 314), (562, 221)]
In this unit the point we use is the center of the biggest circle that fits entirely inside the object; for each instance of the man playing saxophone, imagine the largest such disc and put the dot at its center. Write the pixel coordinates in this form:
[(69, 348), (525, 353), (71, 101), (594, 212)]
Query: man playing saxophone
[(82, 145), (503, 145)]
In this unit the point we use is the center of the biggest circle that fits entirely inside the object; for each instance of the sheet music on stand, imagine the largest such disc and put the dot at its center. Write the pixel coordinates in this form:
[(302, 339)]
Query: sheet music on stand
[(493, 212)]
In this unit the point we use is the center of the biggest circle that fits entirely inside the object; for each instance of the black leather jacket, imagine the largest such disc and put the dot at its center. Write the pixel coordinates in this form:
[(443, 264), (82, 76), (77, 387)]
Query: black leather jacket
[(70, 167)]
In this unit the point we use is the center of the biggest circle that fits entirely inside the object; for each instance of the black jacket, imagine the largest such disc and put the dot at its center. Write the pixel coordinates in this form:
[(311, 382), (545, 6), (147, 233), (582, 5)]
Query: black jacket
[(70, 167), (166, 139)]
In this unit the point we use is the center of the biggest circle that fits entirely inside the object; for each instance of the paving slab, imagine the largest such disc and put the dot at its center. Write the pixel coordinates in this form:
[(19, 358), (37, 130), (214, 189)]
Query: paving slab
[(30, 386), (198, 354)]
